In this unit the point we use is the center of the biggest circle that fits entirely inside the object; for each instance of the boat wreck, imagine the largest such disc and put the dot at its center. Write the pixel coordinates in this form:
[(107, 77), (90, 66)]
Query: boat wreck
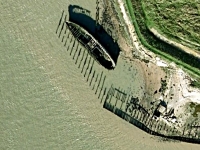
[(94, 48)]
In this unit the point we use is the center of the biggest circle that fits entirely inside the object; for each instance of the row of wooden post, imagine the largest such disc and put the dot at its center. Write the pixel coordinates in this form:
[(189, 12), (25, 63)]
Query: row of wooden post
[(159, 127), (80, 53)]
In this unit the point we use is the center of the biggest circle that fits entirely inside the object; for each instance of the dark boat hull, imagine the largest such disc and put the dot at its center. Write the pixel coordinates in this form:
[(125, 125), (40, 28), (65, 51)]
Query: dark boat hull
[(92, 45)]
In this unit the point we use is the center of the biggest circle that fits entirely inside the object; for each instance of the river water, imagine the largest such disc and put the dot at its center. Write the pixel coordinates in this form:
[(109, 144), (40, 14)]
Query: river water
[(45, 100)]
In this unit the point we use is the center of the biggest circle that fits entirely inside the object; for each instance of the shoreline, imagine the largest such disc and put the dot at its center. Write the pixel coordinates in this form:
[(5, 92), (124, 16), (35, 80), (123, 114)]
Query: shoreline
[(178, 81)]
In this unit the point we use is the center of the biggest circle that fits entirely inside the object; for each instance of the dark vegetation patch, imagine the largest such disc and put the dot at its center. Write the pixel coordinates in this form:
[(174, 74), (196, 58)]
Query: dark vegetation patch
[(196, 108), (195, 83), (163, 86)]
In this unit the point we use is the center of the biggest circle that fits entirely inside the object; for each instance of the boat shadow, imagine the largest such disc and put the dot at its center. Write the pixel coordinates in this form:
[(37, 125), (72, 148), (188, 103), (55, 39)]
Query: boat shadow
[(82, 17)]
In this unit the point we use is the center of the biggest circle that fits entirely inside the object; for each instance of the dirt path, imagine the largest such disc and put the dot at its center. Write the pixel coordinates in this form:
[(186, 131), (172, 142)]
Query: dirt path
[(129, 24), (175, 44)]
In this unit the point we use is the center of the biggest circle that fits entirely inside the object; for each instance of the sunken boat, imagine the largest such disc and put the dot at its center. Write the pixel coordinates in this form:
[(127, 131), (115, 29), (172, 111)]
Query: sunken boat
[(94, 48)]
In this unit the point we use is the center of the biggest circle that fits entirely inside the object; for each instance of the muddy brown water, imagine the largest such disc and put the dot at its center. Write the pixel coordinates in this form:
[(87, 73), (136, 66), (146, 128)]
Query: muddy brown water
[(47, 94)]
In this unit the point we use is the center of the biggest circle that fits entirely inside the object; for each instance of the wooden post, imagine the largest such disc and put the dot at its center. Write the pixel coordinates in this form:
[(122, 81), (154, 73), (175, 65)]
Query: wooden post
[(99, 82), (93, 75), (84, 62), (61, 29), (104, 93), (111, 95), (60, 21), (97, 12)]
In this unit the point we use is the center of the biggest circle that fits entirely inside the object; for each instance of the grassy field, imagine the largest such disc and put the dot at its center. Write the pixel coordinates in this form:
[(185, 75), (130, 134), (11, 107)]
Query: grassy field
[(164, 50), (179, 20)]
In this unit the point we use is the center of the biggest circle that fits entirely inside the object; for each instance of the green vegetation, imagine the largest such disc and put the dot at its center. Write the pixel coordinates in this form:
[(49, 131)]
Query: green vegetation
[(163, 86), (164, 50), (196, 109), (195, 83), (179, 20)]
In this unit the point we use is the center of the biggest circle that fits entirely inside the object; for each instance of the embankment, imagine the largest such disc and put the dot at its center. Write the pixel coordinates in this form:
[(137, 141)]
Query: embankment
[(168, 52)]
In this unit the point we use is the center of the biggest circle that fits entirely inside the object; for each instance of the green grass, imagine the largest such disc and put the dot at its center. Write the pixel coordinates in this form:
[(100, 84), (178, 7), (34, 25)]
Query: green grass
[(157, 46), (179, 20), (196, 108), (195, 83)]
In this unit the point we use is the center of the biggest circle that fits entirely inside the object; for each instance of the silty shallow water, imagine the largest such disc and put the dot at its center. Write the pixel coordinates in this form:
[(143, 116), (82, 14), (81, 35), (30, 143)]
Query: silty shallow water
[(46, 102)]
